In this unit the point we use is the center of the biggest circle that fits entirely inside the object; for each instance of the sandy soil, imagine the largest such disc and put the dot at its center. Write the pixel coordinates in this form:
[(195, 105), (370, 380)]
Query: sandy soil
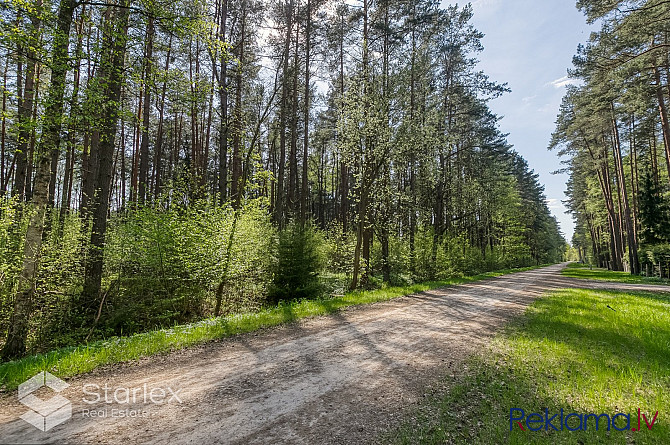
[(341, 379)]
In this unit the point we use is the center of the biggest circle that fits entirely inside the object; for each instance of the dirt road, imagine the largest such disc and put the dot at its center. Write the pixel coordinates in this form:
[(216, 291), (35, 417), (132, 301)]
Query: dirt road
[(344, 378)]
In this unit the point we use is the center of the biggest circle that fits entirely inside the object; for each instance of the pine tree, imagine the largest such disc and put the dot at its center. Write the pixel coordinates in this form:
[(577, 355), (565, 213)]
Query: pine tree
[(654, 213), (298, 265)]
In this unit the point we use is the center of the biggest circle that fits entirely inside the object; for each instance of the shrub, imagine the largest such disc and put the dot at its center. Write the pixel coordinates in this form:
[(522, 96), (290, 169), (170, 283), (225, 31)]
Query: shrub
[(298, 266)]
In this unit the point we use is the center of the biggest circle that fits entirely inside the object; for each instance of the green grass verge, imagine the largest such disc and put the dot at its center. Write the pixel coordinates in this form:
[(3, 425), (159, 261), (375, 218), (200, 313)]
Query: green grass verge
[(569, 351), (577, 270), (72, 361)]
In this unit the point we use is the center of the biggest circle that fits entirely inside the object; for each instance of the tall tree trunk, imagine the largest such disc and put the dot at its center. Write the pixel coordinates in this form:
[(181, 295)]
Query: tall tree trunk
[(158, 155), (604, 180), (634, 178), (281, 198), (223, 103), (293, 156), (304, 195), (26, 96), (362, 223), (143, 179), (630, 227), (111, 74), (614, 217), (193, 81), (344, 171), (412, 162), (16, 337), (663, 112), (238, 126), (3, 130), (33, 137), (89, 169)]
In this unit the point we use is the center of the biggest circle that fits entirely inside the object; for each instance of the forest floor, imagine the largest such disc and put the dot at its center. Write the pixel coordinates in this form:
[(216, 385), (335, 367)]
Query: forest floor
[(350, 377)]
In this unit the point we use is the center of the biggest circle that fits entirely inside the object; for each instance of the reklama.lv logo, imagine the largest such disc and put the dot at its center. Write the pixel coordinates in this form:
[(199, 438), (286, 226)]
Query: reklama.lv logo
[(574, 421)]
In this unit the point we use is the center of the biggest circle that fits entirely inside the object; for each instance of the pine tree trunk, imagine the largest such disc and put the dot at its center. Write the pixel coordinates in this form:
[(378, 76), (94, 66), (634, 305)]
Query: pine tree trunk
[(158, 155), (111, 71), (223, 103), (238, 125), (26, 96), (280, 194), (344, 172), (293, 156), (3, 130), (304, 198), (663, 112), (143, 179), (630, 228)]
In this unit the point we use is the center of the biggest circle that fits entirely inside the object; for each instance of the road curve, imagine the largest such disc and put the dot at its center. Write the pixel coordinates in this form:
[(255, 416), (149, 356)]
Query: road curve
[(343, 378)]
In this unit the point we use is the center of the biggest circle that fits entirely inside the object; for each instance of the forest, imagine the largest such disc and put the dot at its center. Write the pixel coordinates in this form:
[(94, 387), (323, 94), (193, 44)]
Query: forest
[(163, 162), (614, 136)]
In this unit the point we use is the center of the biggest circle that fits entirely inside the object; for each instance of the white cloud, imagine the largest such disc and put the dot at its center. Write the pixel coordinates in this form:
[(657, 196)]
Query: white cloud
[(484, 3), (484, 8), (564, 82), (556, 205)]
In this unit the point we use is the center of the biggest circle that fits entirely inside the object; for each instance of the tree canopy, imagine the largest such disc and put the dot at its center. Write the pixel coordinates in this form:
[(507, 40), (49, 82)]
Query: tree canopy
[(614, 134), (159, 160)]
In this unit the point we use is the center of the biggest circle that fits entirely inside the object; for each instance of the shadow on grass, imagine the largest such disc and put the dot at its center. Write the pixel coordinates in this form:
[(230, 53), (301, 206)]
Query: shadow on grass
[(68, 362), (569, 351)]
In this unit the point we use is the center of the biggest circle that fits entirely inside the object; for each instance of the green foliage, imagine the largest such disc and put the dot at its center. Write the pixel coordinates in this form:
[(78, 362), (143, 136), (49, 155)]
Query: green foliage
[(569, 351), (407, 155), (654, 213), (577, 270), (72, 361), (655, 260), (164, 265), (338, 249), (13, 223), (610, 129), (299, 262), (58, 279)]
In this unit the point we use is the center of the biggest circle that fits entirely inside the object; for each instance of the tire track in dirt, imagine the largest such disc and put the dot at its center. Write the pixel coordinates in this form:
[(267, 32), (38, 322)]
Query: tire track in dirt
[(343, 378)]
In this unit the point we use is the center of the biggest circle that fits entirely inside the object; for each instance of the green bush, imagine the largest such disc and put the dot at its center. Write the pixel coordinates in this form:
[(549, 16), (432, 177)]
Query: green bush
[(338, 249), (298, 266), (164, 266), (655, 259)]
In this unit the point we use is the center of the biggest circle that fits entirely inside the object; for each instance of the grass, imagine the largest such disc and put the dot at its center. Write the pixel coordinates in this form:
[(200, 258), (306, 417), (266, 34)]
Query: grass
[(72, 361), (569, 351), (577, 270)]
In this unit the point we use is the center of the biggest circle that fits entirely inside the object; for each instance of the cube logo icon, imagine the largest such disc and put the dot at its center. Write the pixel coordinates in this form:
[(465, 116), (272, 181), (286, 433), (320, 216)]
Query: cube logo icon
[(44, 414)]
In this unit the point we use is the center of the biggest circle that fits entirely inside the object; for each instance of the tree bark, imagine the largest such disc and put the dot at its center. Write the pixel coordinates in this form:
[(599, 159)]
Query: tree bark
[(158, 155), (304, 195), (143, 179), (26, 96), (280, 194), (663, 112), (238, 126), (111, 74), (15, 345), (630, 228)]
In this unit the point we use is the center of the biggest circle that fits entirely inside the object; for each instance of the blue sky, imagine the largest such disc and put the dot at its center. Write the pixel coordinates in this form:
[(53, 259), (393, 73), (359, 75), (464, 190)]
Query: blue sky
[(529, 44)]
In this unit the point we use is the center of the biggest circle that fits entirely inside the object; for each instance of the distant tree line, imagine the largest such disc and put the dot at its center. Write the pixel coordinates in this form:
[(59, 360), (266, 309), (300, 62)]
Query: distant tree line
[(165, 161)]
